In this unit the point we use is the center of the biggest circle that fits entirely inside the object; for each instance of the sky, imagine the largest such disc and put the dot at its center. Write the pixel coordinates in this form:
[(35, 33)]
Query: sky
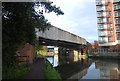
[(79, 18)]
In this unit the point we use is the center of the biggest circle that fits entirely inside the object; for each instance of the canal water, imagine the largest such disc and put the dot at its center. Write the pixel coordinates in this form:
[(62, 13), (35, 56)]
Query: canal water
[(84, 68)]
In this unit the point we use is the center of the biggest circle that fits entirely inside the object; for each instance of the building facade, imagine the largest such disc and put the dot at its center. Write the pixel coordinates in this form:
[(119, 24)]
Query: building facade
[(108, 22)]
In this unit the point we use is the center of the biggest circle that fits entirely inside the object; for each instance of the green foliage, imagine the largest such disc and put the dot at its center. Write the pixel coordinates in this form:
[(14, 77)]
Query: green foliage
[(38, 47), (49, 8), (19, 20), (62, 50), (16, 72), (50, 73)]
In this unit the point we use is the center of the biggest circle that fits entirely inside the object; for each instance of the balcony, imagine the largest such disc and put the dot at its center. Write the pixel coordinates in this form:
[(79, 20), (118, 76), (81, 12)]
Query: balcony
[(100, 15), (117, 7), (118, 29), (102, 27), (104, 22), (107, 3), (110, 35), (102, 41), (117, 23), (102, 35), (100, 9), (99, 3), (117, 15), (100, 22), (116, 2)]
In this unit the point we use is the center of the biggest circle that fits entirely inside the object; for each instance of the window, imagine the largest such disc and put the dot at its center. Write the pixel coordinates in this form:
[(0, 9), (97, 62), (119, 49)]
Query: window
[(109, 39), (99, 14), (111, 32), (100, 20), (102, 33), (106, 7), (115, 6), (103, 39), (111, 25), (117, 21), (109, 13), (116, 14), (118, 38), (108, 19)]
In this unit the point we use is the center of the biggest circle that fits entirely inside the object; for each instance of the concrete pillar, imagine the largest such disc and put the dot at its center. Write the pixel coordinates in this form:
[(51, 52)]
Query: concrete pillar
[(82, 51), (71, 54)]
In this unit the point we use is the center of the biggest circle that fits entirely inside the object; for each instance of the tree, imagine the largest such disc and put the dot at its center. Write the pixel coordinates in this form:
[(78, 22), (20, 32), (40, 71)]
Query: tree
[(19, 20)]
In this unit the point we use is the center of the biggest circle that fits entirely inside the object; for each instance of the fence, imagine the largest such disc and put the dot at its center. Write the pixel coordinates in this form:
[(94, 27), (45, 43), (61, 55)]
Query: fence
[(23, 59), (104, 51)]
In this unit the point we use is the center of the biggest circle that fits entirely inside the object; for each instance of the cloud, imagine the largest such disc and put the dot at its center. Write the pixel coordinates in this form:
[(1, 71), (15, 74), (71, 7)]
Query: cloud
[(79, 18)]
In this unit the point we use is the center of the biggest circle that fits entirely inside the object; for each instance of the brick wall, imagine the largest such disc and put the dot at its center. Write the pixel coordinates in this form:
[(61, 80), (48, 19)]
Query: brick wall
[(27, 51)]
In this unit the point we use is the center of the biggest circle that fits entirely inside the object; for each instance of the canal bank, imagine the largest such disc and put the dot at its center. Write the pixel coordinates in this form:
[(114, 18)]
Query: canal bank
[(50, 73)]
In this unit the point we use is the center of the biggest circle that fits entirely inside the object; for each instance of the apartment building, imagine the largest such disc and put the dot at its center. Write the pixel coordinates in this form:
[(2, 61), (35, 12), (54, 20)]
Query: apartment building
[(108, 22)]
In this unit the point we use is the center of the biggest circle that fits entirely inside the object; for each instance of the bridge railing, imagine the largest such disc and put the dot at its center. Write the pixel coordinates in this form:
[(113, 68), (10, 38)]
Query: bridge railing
[(104, 51)]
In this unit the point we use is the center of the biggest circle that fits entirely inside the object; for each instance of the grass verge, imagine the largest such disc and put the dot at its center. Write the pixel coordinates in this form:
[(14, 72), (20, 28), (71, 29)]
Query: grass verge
[(16, 72), (83, 56), (50, 73)]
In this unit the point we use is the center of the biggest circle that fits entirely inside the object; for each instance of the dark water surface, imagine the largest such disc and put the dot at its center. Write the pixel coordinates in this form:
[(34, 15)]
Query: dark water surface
[(81, 68)]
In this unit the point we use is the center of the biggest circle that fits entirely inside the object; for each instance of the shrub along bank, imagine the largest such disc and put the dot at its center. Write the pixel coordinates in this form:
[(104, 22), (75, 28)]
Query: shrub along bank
[(50, 73), (16, 72)]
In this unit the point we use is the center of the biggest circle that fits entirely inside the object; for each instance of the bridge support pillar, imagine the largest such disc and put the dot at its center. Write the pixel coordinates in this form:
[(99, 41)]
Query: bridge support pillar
[(85, 50), (82, 51)]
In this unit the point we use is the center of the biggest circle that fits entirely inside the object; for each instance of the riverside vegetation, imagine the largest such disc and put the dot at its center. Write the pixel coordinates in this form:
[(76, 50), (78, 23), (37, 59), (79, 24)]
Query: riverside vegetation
[(19, 20)]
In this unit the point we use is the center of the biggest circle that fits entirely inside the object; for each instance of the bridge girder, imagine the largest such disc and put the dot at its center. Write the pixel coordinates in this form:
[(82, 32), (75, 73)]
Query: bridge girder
[(60, 43)]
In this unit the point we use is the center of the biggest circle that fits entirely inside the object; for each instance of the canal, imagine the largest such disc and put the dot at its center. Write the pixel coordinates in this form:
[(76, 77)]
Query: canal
[(85, 68)]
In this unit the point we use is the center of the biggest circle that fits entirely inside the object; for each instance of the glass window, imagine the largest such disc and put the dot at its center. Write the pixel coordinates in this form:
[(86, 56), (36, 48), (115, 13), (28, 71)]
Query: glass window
[(111, 32), (111, 25), (117, 21), (109, 39), (116, 14), (108, 19), (118, 38), (106, 7), (109, 13)]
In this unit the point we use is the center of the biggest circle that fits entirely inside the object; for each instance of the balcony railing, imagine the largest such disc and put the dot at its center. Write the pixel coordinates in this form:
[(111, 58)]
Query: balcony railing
[(117, 22), (118, 29), (103, 34), (103, 41), (99, 3), (100, 21), (116, 2), (102, 27), (117, 15), (100, 15), (103, 21), (116, 7), (101, 8)]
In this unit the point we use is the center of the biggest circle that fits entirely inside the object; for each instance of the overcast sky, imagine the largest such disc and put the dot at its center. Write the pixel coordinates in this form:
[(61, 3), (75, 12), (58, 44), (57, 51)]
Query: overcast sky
[(79, 18)]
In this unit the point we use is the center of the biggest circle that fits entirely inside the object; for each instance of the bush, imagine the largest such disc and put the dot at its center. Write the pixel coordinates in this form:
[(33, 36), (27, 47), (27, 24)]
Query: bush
[(50, 73), (16, 72)]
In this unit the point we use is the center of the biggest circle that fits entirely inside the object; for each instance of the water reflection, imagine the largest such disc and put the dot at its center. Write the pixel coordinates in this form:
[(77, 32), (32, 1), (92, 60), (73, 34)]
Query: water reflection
[(70, 68), (108, 69), (53, 60)]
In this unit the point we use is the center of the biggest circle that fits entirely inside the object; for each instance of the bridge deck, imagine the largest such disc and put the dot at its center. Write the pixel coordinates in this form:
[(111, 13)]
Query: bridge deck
[(55, 33)]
